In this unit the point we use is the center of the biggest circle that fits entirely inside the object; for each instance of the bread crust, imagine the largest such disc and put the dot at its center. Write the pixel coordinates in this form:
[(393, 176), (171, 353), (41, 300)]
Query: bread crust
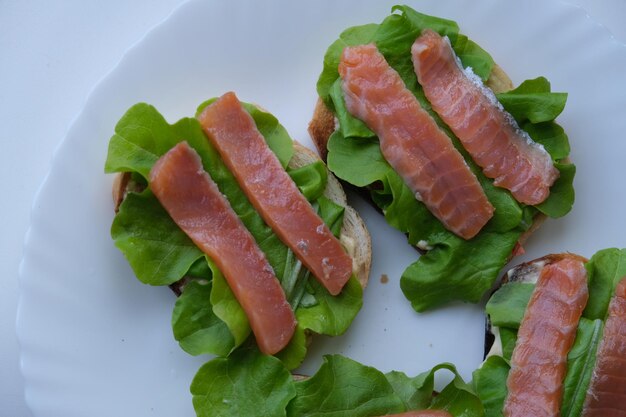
[(323, 124), (355, 237), (523, 271)]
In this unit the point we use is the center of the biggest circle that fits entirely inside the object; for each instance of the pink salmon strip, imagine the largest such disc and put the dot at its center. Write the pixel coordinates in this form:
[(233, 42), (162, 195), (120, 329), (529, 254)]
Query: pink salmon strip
[(545, 336), (410, 140), (606, 396), (194, 202), (490, 134), (273, 193)]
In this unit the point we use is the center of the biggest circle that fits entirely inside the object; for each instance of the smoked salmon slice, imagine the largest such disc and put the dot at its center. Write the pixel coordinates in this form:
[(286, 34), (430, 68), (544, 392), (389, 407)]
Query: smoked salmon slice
[(606, 396), (490, 134), (410, 140), (423, 413), (273, 193), (545, 336), (194, 202)]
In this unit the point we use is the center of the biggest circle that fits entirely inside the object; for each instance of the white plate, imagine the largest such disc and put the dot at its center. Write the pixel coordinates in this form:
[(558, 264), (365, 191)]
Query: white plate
[(96, 342)]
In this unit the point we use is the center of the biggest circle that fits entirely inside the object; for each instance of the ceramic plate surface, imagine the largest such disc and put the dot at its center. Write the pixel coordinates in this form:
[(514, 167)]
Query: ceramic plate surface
[(96, 342)]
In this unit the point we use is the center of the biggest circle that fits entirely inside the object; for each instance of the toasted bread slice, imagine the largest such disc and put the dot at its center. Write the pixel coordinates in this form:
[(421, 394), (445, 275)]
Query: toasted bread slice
[(355, 237)]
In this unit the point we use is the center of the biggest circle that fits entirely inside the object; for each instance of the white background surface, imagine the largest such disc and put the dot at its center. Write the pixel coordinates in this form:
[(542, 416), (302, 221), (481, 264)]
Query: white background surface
[(52, 55)]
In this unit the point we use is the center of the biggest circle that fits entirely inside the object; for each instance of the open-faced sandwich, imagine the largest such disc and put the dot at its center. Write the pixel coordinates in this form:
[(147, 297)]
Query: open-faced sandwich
[(422, 120), (244, 224), (559, 349)]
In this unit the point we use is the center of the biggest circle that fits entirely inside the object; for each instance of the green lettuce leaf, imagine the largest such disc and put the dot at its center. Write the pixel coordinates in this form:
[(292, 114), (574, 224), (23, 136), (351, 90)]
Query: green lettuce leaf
[(416, 393), (605, 269), (533, 101), (490, 384), (200, 269), (394, 38), (357, 35), (235, 386), (246, 383), (561, 198), (227, 308), (508, 337), (509, 214), (420, 21), (295, 352), (158, 251), (195, 325), (332, 214), (409, 215), (458, 398), (580, 363), (535, 107), (142, 135), (295, 282), (311, 179), (350, 125), (468, 266), (198, 325), (357, 161), (472, 55), (331, 315), (344, 388), (551, 136), (396, 35), (507, 306)]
